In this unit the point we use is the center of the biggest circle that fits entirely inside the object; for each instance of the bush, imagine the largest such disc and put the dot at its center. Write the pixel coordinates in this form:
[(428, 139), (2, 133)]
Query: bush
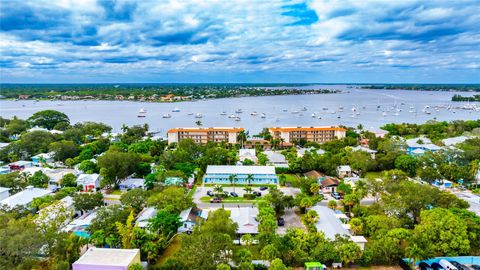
[(249, 196)]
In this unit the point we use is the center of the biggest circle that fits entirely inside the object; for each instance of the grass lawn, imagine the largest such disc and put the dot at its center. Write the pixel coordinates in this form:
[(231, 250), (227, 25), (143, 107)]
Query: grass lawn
[(293, 179), (173, 248), (207, 199), (374, 174), (117, 192)]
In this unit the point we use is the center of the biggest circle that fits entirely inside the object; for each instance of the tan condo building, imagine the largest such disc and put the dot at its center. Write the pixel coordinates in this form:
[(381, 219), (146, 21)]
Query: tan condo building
[(310, 134), (204, 135)]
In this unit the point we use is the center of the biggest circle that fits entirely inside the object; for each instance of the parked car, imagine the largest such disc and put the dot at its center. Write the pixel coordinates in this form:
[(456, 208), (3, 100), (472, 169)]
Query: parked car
[(336, 195), (263, 188), (226, 193), (210, 193), (280, 221), (476, 266), (257, 193), (216, 200), (233, 194)]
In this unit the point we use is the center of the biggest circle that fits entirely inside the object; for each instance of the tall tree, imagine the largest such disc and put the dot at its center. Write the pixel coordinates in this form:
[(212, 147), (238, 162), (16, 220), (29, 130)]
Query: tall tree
[(48, 119)]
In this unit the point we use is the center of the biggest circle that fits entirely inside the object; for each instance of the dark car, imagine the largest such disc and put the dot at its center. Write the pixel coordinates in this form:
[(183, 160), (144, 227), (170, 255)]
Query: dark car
[(336, 195), (476, 266), (216, 200), (257, 193), (210, 193), (263, 188), (233, 194), (280, 221)]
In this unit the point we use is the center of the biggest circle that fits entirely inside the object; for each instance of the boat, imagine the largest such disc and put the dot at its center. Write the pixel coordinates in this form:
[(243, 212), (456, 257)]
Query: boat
[(321, 117), (190, 113), (396, 114), (238, 111), (142, 113), (263, 115), (238, 118), (313, 115), (284, 110), (384, 114), (253, 113), (325, 108), (176, 109), (167, 115), (304, 108), (198, 115), (223, 113), (232, 116), (294, 112)]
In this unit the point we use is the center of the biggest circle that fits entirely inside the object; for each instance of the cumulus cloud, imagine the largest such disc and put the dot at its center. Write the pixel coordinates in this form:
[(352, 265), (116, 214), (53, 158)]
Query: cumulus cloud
[(192, 40)]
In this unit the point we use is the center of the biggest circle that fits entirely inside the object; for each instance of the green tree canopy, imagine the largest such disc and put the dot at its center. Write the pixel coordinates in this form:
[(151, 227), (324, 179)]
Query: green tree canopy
[(48, 119)]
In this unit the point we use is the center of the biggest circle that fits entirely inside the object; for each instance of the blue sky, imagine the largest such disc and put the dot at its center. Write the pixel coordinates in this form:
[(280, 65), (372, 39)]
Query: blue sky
[(407, 41)]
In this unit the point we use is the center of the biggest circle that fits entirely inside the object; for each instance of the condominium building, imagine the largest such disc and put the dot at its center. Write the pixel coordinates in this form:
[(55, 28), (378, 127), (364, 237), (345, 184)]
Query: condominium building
[(204, 135), (310, 134)]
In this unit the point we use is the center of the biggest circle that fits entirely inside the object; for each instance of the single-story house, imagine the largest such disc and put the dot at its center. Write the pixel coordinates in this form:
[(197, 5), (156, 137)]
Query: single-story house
[(4, 193), (20, 165), (56, 176), (49, 213), (25, 197), (301, 151), (455, 140), (4, 170), (245, 217), (132, 183), (79, 225), (2, 145), (107, 259), (188, 217), (144, 216), (89, 181), (330, 223), (421, 143), (352, 181), (365, 149), (42, 158), (344, 171), (442, 184), (219, 174), (250, 154), (276, 159), (173, 181), (328, 183)]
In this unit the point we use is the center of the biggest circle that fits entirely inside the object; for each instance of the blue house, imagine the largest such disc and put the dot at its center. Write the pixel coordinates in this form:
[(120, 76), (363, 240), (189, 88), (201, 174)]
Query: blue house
[(219, 174), (418, 146)]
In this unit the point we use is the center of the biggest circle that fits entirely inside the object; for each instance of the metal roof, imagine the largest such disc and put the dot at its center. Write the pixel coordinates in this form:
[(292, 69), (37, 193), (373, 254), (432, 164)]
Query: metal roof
[(229, 169)]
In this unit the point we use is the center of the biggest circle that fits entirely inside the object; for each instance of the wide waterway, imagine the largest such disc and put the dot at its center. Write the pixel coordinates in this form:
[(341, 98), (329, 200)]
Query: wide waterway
[(373, 108)]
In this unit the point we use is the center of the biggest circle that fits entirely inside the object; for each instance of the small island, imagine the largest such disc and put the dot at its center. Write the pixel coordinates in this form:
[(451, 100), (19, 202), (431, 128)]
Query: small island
[(469, 99)]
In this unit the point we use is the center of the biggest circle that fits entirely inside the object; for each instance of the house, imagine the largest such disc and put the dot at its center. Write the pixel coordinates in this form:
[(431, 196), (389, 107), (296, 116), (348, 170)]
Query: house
[(219, 174), (107, 259), (144, 216), (365, 149), (308, 134), (61, 207), (89, 181), (331, 225), (455, 140), (442, 184), (4, 193), (55, 176), (79, 225), (328, 183), (301, 151), (132, 183), (42, 158), (20, 165), (420, 145), (249, 154), (188, 218), (204, 135), (276, 159), (246, 218), (4, 170), (25, 197), (344, 171), (3, 145)]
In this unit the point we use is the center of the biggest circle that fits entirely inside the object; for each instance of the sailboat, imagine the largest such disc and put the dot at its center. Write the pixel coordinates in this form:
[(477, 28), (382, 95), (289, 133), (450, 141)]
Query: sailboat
[(263, 115), (167, 115), (176, 109), (198, 115)]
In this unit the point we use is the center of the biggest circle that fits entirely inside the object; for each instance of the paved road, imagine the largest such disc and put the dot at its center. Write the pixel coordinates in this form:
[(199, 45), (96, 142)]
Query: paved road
[(472, 199)]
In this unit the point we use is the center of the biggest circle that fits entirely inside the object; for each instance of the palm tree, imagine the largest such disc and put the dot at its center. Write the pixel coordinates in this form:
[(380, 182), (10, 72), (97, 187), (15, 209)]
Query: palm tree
[(249, 179), (242, 137), (248, 190), (232, 178), (218, 189), (414, 253), (124, 128), (282, 140)]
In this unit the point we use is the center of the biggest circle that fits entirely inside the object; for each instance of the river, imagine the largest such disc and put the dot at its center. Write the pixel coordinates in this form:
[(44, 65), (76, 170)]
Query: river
[(373, 108)]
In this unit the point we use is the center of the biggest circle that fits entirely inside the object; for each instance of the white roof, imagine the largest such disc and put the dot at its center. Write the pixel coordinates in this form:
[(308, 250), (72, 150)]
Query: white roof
[(328, 223), (418, 151), (358, 239), (144, 216), (3, 189), (245, 218), (133, 182), (426, 143), (88, 178), (275, 157), (21, 163), (184, 214), (344, 168), (247, 152), (25, 196), (454, 140), (228, 169), (364, 149), (301, 151), (2, 145), (108, 256), (84, 220), (44, 155), (57, 174)]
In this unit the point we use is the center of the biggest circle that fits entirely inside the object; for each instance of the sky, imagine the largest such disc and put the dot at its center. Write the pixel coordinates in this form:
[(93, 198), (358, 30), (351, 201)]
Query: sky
[(255, 41)]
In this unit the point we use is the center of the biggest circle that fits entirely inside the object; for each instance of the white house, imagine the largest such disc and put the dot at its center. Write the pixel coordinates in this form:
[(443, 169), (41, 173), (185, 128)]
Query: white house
[(344, 171), (276, 159), (250, 154), (89, 181), (107, 259), (245, 217), (4, 193), (144, 216), (25, 197), (301, 151), (365, 149), (132, 183), (455, 140)]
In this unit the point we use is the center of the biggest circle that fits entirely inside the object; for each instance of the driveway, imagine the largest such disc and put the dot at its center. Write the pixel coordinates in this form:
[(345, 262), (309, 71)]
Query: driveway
[(292, 220)]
